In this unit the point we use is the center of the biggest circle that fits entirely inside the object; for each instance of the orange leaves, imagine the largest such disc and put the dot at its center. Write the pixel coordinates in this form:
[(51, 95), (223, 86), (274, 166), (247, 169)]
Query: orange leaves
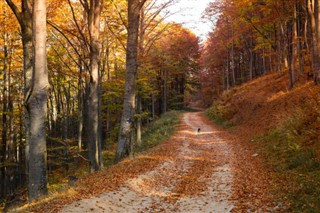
[(189, 172)]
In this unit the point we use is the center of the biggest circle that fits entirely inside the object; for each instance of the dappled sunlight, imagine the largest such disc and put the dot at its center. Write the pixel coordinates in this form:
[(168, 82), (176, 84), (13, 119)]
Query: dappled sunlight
[(146, 189), (209, 132), (277, 96), (211, 142), (193, 158), (48, 199), (201, 133), (282, 94), (189, 132), (157, 158)]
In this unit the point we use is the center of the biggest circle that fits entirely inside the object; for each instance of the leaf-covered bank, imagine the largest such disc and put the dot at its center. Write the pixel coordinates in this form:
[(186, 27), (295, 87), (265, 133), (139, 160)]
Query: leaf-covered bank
[(282, 126)]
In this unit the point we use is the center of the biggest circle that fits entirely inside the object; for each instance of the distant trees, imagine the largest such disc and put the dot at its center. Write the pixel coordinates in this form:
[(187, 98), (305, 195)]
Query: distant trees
[(255, 37)]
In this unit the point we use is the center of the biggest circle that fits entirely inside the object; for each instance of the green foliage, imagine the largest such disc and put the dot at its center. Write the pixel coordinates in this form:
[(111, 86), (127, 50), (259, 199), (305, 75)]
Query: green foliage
[(159, 130)]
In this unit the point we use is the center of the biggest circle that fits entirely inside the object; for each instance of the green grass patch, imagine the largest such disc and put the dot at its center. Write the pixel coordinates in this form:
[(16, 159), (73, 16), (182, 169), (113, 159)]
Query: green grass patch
[(159, 130)]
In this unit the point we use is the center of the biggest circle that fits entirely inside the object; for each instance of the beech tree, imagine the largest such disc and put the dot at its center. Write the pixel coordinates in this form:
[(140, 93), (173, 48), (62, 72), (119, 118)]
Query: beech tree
[(33, 28), (126, 135), (86, 73), (36, 104), (93, 10)]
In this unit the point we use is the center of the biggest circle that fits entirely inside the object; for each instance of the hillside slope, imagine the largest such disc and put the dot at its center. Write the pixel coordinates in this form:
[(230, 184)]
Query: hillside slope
[(283, 126)]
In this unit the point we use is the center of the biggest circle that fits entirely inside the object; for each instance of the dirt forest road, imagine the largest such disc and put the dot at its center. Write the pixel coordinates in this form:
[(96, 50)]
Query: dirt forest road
[(197, 177)]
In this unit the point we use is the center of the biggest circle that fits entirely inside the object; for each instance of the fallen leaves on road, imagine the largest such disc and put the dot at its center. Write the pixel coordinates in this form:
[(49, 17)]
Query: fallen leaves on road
[(184, 166)]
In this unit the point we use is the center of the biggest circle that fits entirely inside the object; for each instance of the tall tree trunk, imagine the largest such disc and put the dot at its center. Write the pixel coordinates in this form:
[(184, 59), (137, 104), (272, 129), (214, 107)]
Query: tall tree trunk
[(313, 9), (125, 142), (93, 100), (37, 105), (141, 54), (251, 60), (139, 119), (25, 21), (228, 70), (80, 107), (165, 91), (232, 57), (4, 154)]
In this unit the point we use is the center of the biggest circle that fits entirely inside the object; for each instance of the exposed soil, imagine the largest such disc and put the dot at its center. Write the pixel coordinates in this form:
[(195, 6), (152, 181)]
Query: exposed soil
[(196, 172), (198, 178), (205, 171)]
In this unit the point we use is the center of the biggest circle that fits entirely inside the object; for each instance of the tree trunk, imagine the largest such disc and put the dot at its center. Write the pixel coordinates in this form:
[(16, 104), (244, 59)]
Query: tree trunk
[(126, 126), (93, 100), (313, 9), (251, 60), (232, 57), (25, 21), (165, 92), (4, 154), (139, 120), (37, 106)]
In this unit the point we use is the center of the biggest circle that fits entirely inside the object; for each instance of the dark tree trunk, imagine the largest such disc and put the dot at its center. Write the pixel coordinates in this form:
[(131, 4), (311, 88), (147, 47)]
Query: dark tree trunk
[(94, 146), (24, 18)]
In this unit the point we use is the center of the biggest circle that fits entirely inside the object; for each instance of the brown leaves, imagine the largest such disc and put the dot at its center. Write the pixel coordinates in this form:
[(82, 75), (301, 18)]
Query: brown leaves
[(188, 171)]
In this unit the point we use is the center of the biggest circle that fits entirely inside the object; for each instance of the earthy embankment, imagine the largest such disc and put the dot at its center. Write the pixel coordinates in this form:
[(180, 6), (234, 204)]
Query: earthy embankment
[(282, 126)]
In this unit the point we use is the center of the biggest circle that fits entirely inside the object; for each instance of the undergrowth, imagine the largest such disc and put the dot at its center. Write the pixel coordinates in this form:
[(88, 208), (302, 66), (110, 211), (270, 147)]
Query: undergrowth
[(221, 112), (159, 130), (293, 152)]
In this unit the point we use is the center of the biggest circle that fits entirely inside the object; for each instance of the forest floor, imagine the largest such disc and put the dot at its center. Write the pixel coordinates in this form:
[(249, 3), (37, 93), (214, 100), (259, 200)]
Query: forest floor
[(209, 171)]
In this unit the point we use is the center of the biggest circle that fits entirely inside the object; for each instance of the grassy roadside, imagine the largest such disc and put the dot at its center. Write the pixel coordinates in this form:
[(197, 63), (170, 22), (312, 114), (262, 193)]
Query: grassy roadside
[(159, 131), (284, 127)]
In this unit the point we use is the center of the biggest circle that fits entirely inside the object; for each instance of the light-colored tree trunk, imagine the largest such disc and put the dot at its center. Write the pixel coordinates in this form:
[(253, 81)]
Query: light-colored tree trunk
[(139, 121), (37, 105), (125, 143), (141, 54)]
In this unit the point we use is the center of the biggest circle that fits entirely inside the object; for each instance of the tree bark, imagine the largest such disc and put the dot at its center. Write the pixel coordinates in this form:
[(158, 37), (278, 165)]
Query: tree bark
[(36, 104), (93, 100), (125, 143), (24, 18), (313, 9)]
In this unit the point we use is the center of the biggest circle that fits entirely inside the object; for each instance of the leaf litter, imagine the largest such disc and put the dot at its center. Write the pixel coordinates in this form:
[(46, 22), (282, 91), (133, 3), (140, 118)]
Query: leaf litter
[(209, 171)]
